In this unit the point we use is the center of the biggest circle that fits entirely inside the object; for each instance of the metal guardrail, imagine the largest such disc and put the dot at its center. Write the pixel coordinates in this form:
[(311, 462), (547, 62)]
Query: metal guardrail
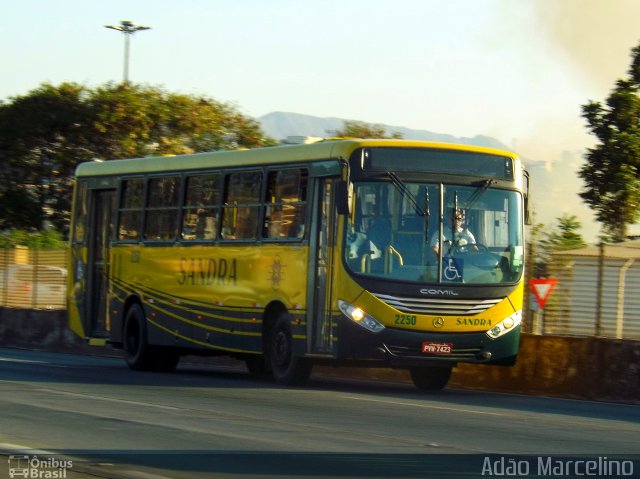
[(33, 279)]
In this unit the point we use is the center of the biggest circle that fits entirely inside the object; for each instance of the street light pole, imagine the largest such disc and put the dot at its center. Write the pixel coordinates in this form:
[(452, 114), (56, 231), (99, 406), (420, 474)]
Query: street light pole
[(128, 28)]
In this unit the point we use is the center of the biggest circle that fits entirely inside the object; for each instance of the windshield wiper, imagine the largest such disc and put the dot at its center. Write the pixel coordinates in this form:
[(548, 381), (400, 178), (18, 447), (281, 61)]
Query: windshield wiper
[(482, 187), (402, 187)]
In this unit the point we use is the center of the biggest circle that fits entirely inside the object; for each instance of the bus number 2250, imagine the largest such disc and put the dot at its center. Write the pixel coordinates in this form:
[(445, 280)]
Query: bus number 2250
[(405, 319)]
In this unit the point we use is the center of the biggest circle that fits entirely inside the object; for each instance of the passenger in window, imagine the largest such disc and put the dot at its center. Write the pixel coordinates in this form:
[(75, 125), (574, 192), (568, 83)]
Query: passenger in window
[(294, 229), (274, 225), (374, 242), (355, 240)]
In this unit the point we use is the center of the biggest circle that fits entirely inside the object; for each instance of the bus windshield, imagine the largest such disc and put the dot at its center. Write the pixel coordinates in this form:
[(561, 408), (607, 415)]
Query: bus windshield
[(435, 233)]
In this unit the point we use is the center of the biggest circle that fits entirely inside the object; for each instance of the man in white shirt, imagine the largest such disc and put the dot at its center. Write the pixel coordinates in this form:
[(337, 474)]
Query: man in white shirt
[(461, 237)]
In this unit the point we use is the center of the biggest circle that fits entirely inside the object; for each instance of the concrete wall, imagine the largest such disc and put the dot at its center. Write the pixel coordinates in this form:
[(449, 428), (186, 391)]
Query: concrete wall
[(576, 367), (573, 367), (38, 329)]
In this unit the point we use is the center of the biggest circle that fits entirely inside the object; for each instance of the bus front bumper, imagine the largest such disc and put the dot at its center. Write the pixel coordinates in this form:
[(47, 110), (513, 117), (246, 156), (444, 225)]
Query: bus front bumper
[(401, 348)]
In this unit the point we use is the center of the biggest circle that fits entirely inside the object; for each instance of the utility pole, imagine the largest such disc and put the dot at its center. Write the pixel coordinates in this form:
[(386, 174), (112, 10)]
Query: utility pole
[(128, 28)]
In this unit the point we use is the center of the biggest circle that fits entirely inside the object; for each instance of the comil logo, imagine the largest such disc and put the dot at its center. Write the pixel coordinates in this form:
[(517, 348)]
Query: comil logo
[(438, 292), (38, 468)]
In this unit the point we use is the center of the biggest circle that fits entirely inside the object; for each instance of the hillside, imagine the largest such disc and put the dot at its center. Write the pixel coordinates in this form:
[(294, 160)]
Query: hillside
[(280, 125)]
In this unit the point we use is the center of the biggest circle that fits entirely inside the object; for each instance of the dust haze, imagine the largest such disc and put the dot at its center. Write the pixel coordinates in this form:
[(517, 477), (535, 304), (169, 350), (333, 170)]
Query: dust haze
[(594, 39), (594, 36)]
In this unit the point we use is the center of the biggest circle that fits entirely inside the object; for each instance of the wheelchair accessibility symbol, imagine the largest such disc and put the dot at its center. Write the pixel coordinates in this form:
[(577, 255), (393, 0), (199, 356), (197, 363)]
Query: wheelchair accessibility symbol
[(452, 269)]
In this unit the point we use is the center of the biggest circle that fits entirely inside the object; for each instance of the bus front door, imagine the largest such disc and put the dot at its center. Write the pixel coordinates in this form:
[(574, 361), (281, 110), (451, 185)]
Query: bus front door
[(100, 234), (320, 321)]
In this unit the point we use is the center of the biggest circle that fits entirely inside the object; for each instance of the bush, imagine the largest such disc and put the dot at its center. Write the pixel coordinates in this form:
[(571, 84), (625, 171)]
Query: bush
[(49, 239)]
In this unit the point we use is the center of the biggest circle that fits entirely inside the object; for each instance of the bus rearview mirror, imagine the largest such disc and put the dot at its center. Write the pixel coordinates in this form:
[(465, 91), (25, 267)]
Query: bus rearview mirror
[(527, 200), (344, 197)]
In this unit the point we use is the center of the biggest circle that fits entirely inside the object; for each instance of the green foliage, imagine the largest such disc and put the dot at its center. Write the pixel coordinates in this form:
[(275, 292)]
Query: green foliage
[(48, 239), (42, 138), (46, 133), (562, 237), (611, 172), (359, 129), (565, 235)]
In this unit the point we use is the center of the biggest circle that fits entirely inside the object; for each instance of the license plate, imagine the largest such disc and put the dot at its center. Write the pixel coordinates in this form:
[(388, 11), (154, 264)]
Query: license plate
[(437, 348)]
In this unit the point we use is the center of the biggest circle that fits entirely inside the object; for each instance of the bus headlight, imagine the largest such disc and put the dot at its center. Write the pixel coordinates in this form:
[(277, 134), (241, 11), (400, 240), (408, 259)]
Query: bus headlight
[(359, 317), (506, 325)]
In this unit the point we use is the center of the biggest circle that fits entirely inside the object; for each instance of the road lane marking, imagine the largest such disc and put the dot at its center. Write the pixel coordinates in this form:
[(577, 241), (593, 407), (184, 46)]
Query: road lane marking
[(16, 360), (426, 406), (9, 448), (101, 398)]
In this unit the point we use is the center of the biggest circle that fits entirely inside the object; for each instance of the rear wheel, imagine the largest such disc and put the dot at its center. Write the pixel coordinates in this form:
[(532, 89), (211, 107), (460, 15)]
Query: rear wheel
[(287, 368), (136, 348), (430, 378), (165, 359)]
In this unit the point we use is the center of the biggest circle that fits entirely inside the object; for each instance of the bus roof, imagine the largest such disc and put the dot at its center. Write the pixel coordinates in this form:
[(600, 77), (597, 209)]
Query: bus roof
[(322, 150)]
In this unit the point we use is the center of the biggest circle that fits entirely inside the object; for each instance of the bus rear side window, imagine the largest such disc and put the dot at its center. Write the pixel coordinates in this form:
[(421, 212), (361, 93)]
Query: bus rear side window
[(162, 208), (80, 213), (130, 212)]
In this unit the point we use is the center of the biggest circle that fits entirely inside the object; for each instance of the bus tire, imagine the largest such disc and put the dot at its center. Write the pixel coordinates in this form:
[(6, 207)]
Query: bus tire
[(164, 359), (430, 378), (137, 352), (256, 365), (287, 368)]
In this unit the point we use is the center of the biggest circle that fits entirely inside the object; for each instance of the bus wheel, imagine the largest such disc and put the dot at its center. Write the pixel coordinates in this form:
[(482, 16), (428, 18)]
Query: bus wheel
[(164, 359), (287, 369), (256, 365), (137, 351), (430, 378)]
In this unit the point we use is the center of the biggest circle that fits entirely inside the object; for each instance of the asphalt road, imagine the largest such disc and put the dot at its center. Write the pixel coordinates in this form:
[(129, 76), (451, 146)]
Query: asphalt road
[(214, 420)]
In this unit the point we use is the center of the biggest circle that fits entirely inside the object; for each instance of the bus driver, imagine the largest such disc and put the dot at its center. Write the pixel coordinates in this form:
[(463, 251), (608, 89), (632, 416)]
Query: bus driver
[(461, 237)]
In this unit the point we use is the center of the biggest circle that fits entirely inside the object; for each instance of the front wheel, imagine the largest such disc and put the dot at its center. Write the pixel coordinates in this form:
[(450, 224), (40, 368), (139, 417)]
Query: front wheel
[(256, 365), (430, 378), (287, 368)]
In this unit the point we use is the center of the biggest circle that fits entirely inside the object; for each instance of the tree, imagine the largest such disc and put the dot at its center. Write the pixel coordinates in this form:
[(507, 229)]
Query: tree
[(565, 235), (133, 120), (42, 138), (562, 237), (359, 129), (46, 133), (611, 172)]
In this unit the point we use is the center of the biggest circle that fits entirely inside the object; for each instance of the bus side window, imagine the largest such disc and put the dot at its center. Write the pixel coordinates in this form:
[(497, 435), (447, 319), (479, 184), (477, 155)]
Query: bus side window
[(200, 211), (130, 211), (162, 208), (286, 198), (81, 213), (241, 205)]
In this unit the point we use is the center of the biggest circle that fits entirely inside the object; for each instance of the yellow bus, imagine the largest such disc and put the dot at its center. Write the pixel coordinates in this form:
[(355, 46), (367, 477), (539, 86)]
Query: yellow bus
[(389, 253)]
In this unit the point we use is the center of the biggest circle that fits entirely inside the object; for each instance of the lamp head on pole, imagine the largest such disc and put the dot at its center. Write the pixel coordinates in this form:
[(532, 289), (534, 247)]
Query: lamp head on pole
[(127, 27)]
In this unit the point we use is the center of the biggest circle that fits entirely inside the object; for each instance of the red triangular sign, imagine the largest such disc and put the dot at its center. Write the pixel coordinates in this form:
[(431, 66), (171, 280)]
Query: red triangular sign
[(542, 289)]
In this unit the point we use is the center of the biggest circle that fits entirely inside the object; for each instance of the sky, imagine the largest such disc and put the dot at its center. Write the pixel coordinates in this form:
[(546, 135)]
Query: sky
[(518, 71)]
